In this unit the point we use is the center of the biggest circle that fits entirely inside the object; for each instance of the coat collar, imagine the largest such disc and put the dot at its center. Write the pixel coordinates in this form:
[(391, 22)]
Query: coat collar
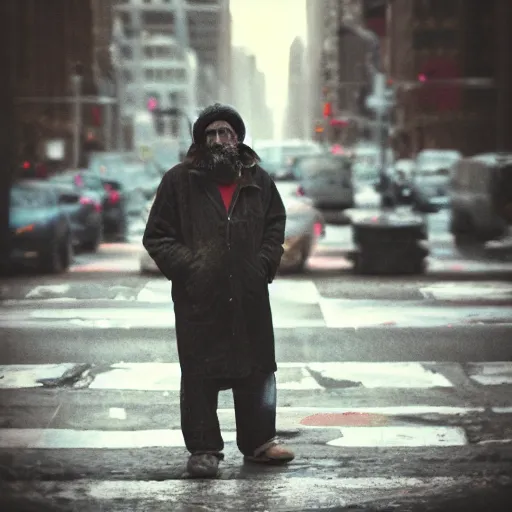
[(248, 157)]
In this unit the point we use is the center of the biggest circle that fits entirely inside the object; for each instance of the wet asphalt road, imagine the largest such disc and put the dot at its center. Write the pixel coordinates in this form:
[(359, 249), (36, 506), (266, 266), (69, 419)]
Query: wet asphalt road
[(394, 393)]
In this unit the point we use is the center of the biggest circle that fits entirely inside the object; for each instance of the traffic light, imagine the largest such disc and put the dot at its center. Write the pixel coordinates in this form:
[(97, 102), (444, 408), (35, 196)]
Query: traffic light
[(327, 109), (96, 115), (152, 103)]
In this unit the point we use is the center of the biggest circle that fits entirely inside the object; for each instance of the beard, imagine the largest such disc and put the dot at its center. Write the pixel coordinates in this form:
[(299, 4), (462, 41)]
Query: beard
[(224, 163)]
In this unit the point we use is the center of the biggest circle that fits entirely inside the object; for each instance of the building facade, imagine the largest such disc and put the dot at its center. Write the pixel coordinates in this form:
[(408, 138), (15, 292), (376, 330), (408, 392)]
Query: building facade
[(166, 77), (43, 44), (295, 117), (201, 25), (449, 60), (263, 118), (53, 43), (249, 94), (315, 16)]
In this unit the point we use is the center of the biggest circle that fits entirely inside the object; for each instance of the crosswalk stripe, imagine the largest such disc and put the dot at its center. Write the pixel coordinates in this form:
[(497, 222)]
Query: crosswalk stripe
[(154, 376), (326, 312)]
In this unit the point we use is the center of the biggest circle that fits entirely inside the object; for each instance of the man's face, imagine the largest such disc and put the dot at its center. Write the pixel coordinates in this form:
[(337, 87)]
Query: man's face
[(220, 132)]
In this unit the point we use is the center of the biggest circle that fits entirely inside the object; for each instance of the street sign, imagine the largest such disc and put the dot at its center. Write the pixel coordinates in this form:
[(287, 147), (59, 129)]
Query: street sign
[(378, 103)]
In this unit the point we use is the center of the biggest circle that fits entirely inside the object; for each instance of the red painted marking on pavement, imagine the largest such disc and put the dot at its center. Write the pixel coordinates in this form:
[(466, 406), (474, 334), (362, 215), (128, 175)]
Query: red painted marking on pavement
[(344, 419)]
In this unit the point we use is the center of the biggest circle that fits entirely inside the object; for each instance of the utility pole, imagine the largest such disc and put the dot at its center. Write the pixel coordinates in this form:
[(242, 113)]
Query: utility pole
[(76, 80), (503, 83), (381, 102), (138, 57)]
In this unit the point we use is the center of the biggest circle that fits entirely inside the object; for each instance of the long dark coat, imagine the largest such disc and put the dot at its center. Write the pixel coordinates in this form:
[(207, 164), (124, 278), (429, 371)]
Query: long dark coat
[(220, 264)]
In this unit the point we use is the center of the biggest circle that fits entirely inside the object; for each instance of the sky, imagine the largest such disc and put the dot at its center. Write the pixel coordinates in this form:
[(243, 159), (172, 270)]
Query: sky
[(267, 28)]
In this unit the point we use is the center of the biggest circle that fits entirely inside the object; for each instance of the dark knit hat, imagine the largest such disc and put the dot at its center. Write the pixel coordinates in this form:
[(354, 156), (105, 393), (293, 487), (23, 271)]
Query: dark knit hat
[(218, 112)]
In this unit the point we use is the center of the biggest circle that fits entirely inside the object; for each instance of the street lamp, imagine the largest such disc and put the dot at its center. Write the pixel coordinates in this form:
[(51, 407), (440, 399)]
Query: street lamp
[(76, 81)]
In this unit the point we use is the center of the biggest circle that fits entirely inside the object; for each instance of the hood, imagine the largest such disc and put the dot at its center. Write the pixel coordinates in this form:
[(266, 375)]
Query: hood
[(19, 217), (195, 156)]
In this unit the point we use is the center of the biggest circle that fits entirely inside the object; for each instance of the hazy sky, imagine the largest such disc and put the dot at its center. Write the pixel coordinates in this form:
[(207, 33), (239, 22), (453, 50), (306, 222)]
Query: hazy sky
[(267, 28)]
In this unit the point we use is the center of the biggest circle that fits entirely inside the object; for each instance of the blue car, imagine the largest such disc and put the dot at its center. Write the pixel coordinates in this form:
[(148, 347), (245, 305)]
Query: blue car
[(40, 228)]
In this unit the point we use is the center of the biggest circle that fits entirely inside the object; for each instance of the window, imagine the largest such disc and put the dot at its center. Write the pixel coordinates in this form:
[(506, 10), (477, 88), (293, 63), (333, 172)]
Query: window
[(150, 74), (127, 75), (159, 18), (127, 51), (431, 39), (437, 9), (26, 197)]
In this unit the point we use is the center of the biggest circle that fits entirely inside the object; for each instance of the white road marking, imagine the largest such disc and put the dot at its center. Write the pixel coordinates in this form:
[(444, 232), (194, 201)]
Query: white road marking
[(156, 292), (94, 439), (117, 413), (345, 313), (26, 375), (291, 376), (409, 436), (321, 493), (291, 418), (44, 291), (473, 290), (383, 375), (502, 410), (491, 373), (288, 418)]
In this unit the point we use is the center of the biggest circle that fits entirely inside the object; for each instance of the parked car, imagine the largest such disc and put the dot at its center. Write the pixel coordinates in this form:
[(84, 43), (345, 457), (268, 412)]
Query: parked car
[(327, 180), (481, 200), (40, 227), (87, 214), (305, 225), (129, 181), (277, 158), (84, 212), (431, 179), (134, 179)]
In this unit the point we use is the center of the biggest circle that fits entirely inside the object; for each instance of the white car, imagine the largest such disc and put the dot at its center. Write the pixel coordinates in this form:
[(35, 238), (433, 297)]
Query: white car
[(146, 263), (304, 227)]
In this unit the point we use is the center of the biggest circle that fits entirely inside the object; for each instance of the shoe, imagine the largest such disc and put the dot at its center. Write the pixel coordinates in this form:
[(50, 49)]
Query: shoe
[(276, 454), (203, 465)]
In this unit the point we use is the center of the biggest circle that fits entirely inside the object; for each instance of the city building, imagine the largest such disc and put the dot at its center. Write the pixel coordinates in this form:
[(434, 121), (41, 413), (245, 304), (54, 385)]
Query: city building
[(45, 44), (315, 17), (450, 63), (202, 25), (295, 117), (165, 77), (263, 118), (51, 44), (346, 44), (249, 94)]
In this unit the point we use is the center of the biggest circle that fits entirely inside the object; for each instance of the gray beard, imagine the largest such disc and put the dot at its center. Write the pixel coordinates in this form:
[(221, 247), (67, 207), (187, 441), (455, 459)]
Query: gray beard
[(224, 166)]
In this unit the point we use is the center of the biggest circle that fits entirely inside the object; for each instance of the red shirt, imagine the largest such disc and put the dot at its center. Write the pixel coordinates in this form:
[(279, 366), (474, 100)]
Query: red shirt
[(227, 191)]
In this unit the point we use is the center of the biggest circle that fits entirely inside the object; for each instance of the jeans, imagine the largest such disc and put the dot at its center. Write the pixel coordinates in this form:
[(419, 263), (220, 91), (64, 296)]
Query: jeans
[(255, 411)]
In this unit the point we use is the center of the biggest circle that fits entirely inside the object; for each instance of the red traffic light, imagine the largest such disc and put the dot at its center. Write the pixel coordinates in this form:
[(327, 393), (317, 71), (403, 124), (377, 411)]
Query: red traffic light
[(327, 109), (152, 104), (26, 165)]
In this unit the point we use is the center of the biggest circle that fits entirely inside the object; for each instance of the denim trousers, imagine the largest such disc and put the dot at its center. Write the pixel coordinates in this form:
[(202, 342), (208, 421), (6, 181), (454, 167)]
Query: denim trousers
[(254, 398)]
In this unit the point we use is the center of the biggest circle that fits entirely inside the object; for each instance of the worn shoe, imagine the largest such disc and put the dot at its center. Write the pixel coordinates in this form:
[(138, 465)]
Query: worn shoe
[(276, 454), (203, 465)]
